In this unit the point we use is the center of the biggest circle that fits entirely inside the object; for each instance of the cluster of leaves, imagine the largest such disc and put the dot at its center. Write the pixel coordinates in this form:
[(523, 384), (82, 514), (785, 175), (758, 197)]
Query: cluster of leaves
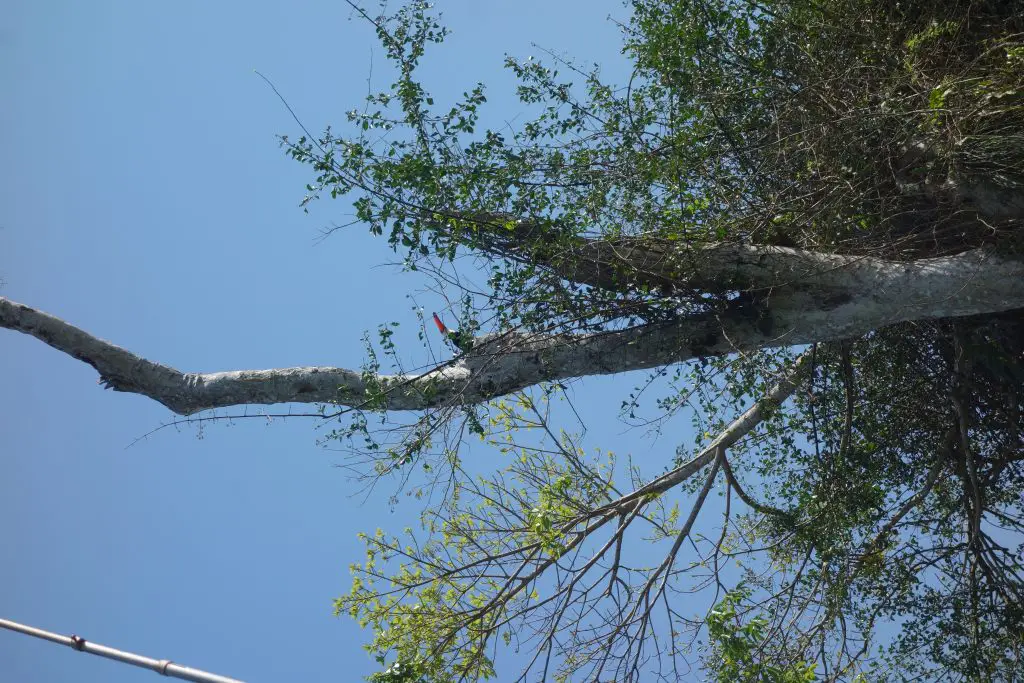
[(480, 570), (905, 504), (551, 509), (739, 649), (823, 135)]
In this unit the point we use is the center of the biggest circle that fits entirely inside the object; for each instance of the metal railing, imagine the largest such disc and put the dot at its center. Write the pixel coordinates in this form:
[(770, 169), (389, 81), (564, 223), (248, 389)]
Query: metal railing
[(164, 667)]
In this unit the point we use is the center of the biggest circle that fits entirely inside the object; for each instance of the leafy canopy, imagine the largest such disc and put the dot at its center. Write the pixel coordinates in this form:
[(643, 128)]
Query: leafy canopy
[(886, 491)]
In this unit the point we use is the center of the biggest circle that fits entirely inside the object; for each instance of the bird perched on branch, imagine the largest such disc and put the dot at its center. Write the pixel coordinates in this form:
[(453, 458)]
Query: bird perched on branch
[(460, 340)]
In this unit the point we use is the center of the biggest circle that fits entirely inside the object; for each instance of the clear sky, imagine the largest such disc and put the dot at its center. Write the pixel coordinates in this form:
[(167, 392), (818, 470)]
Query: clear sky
[(143, 197)]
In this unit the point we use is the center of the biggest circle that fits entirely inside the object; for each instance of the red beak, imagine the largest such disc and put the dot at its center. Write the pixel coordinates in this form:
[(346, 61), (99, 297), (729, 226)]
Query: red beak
[(440, 325)]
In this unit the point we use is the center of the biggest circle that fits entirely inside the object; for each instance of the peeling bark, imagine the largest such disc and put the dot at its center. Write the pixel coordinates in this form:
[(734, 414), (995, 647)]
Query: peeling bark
[(812, 297)]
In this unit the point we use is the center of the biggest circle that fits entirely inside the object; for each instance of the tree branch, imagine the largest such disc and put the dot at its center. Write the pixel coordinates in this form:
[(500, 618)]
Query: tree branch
[(676, 266), (853, 298)]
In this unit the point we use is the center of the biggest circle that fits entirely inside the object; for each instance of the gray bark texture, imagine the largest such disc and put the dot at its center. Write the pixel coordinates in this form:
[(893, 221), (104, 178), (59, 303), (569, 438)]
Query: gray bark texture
[(805, 297)]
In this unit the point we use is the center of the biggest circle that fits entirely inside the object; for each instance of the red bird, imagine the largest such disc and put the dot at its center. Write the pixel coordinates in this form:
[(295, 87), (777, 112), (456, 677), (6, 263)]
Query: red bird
[(459, 340)]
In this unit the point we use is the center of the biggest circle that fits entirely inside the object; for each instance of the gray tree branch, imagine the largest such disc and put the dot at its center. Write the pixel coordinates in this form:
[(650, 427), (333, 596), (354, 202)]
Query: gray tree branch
[(843, 297), (675, 266)]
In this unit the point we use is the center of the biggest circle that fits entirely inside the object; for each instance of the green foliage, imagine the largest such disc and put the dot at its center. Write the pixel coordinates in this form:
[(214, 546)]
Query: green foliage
[(399, 672), (437, 605), (551, 510), (926, 39), (740, 651)]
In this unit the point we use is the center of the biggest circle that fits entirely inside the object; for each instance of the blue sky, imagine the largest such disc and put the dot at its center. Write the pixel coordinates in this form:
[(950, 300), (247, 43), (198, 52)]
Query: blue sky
[(143, 197)]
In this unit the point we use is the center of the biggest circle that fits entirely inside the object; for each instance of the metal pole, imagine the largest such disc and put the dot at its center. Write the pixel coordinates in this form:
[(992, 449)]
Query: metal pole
[(164, 667)]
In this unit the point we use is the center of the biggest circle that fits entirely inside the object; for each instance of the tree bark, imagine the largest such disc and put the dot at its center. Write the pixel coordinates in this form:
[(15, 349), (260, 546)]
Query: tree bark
[(809, 297), (678, 267)]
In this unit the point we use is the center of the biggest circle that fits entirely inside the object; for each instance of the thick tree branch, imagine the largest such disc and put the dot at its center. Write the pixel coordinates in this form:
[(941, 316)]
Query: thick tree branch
[(676, 266), (851, 299)]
